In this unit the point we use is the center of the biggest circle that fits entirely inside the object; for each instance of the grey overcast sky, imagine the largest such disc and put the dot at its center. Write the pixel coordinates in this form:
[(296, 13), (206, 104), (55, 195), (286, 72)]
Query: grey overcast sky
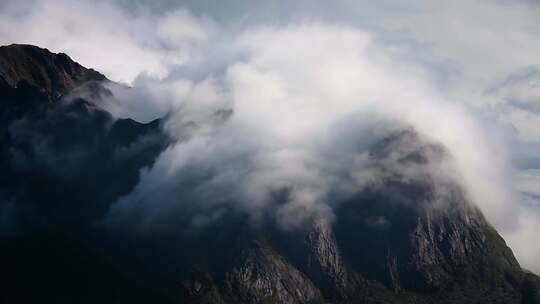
[(480, 55)]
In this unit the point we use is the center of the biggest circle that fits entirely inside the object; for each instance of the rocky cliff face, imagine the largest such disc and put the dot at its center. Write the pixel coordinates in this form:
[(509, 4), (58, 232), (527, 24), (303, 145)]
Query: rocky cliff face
[(410, 236)]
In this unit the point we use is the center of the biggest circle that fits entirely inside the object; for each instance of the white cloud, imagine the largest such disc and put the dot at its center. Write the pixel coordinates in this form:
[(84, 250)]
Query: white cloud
[(102, 36), (523, 241), (290, 91), (529, 182)]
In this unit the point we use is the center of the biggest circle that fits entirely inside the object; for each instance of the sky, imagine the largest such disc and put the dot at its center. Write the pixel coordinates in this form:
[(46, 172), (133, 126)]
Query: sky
[(466, 73)]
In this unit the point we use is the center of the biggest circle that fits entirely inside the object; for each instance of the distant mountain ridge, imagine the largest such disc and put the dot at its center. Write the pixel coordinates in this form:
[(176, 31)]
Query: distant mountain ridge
[(65, 162)]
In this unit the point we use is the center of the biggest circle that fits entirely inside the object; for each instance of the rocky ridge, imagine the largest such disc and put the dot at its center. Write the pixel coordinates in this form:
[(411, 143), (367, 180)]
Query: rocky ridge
[(54, 74)]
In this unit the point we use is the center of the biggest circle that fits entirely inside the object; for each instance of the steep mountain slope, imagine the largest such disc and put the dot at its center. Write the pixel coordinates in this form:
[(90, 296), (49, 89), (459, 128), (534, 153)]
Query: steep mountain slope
[(406, 239), (62, 164), (409, 236), (55, 151)]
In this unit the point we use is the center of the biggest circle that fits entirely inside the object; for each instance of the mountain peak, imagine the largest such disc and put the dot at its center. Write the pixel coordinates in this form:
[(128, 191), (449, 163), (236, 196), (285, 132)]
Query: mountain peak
[(54, 74)]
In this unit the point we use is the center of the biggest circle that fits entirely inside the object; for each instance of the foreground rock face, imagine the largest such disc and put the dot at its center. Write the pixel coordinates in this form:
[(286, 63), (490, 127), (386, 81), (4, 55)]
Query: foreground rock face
[(400, 241), (410, 237)]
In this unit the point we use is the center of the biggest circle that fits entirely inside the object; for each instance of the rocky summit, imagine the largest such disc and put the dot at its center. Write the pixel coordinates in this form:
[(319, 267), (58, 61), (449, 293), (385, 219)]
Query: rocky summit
[(55, 74), (411, 237)]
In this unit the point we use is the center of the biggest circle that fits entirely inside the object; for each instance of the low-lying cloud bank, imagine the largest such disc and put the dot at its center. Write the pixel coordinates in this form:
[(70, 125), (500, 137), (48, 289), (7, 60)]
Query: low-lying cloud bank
[(295, 106), (304, 101)]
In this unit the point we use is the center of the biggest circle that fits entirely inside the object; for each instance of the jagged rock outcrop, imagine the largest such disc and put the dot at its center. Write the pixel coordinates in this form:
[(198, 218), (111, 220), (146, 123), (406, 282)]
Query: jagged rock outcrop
[(264, 276), (324, 263)]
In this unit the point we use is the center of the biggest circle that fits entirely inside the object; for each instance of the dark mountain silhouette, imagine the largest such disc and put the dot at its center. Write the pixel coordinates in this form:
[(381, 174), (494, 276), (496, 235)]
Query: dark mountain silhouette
[(62, 164), (55, 151), (409, 238)]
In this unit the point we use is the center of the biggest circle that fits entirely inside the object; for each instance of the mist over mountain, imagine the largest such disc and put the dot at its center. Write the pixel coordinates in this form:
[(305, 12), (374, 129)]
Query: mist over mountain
[(54, 149), (200, 206), (269, 151)]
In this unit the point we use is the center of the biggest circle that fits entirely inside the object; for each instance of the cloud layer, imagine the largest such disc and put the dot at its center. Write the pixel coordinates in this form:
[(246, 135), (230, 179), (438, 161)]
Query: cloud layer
[(296, 93)]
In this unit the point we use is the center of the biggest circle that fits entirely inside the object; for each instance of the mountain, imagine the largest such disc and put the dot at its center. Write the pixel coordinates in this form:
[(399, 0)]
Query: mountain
[(404, 240), (411, 237), (54, 150), (55, 74)]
